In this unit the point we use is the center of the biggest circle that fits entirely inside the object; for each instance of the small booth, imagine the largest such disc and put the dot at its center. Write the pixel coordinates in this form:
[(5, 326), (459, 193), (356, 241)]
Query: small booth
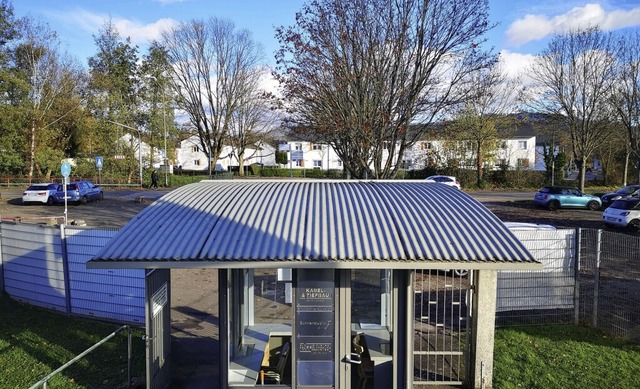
[(317, 278)]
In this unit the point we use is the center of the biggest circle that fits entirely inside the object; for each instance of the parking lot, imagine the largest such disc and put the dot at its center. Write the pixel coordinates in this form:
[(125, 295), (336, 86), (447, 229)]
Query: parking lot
[(120, 206)]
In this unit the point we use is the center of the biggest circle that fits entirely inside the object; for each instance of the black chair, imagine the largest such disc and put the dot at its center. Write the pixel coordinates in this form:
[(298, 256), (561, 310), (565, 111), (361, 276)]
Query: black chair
[(273, 375)]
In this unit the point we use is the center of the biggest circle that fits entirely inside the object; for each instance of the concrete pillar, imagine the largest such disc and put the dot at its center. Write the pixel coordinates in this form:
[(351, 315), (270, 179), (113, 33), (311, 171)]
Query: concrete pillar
[(483, 328)]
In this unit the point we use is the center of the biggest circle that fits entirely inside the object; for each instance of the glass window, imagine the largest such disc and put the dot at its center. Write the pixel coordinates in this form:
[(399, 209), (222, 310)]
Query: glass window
[(260, 321)]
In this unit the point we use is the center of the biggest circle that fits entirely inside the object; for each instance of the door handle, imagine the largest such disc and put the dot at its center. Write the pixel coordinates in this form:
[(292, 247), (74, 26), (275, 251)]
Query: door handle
[(353, 359)]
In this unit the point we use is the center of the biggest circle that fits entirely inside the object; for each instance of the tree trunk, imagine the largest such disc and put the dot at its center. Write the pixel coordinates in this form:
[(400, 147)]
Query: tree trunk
[(32, 151), (241, 163), (479, 165)]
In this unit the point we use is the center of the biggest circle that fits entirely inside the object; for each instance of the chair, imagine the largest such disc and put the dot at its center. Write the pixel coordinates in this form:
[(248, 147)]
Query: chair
[(273, 375), (366, 366)]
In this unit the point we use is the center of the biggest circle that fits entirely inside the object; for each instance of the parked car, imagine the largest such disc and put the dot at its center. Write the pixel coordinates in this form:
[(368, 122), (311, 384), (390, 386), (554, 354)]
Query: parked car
[(447, 180), (79, 192), (40, 193), (631, 190), (623, 213), (554, 197)]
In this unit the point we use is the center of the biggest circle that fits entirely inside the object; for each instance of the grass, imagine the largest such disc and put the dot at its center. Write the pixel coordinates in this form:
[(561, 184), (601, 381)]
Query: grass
[(34, 342), (564, 356)]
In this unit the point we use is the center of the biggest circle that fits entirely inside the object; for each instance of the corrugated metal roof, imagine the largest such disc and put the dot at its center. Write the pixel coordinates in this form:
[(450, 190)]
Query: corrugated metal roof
[(243, 223)]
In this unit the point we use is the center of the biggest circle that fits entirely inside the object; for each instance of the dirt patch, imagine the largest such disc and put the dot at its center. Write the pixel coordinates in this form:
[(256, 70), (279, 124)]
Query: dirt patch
[(114, 211)]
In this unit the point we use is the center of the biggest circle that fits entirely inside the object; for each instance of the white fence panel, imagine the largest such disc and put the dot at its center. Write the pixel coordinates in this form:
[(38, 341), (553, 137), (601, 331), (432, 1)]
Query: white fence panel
[(111, 294), (42, 269), (550, 288), (33, 265)]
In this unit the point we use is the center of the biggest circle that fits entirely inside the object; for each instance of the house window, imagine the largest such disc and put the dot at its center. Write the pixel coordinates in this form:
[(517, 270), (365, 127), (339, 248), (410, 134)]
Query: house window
[(503, 146), (317, 164), (406, 164), (339, 163), (425, 146), (195, 149), (523, 162), (317, 146), (522, 145), (298, 163), (298, 147), (196, 162)]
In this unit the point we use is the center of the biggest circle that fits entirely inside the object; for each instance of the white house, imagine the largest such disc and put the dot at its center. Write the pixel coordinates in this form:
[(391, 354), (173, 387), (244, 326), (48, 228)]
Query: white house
[(310, 155), (142, 151), (191, 157), (518, 151)]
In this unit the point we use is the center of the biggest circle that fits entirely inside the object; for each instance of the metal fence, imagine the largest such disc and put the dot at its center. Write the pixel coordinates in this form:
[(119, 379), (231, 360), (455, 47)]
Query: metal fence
[(45, 266), (590, 277), (609, 282)]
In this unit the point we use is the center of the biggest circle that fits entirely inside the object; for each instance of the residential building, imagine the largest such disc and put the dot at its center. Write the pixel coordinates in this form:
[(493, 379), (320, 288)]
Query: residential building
[(190, 156)]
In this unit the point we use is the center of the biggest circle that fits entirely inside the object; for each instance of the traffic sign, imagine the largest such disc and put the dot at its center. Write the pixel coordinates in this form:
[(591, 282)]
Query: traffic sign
[(99, 163), (65, 169)]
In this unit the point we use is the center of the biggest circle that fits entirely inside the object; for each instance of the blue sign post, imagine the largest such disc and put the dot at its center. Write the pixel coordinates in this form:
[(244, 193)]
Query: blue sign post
[(65, 169)]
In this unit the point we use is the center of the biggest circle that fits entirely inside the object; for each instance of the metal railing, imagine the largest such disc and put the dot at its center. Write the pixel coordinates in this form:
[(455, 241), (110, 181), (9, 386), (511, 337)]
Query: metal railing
[(43, 382)]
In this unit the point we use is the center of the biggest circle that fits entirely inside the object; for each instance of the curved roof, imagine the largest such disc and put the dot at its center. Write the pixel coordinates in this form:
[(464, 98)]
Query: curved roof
[(336, 224)]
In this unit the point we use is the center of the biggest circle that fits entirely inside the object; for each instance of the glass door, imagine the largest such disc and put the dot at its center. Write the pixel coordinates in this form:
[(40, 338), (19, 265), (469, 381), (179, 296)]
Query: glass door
[(366, 304)]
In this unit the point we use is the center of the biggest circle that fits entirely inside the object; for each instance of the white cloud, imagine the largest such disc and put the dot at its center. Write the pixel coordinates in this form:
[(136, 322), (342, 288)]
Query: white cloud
[(140, 33), (515, 64), (536, 27)]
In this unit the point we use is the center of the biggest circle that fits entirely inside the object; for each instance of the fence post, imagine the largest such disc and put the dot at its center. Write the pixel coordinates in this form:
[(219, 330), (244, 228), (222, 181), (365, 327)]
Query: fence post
[(576, 269), (65, 268), (1, 265), (596, 285)]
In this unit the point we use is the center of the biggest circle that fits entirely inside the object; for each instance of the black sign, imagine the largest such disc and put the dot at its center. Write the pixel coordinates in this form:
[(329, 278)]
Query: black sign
[(315, 327)]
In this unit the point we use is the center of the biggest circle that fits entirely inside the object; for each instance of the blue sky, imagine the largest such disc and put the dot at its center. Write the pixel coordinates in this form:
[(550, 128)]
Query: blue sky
[(523, 30)]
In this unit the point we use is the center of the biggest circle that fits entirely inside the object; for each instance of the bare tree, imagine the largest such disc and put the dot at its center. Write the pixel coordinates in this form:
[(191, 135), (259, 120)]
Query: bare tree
[(359, 74), (212, 65), (51, 76), (485, 115), (626, 94), (254, 121), (573, 77)]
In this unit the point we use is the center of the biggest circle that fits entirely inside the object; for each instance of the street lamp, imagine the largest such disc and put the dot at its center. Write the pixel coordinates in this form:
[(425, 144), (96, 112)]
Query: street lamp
[(139, 144)]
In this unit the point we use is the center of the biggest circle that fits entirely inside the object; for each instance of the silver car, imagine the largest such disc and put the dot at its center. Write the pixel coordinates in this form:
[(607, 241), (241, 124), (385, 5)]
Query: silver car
[(623, 213)]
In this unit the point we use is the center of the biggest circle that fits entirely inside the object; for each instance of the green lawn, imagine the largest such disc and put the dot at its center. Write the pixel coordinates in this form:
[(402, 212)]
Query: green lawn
[(34, 342), (564, 356)]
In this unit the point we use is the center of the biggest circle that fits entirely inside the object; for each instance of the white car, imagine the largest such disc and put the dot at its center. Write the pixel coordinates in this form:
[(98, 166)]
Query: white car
[(623, 213), (40, 193), (447, 180)]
